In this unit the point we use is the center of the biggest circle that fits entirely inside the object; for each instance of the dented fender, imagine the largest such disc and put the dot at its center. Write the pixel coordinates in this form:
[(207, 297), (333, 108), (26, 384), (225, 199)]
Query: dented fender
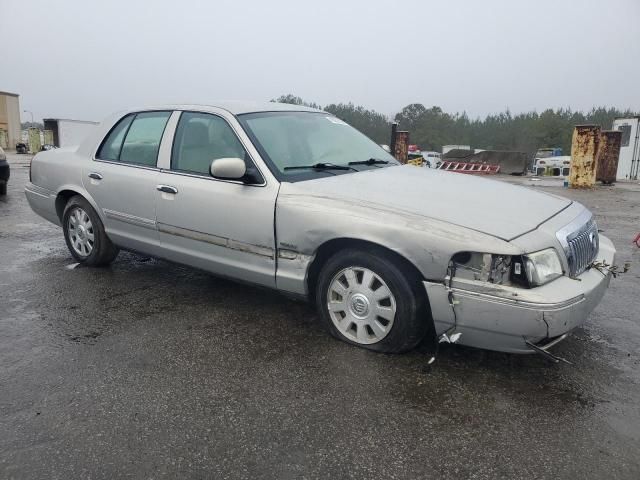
[(306, 221)]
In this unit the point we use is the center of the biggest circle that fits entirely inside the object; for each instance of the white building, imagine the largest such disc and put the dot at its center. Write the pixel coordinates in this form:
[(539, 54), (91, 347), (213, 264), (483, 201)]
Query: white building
[(67, 132), (9, 120), (629, 159)]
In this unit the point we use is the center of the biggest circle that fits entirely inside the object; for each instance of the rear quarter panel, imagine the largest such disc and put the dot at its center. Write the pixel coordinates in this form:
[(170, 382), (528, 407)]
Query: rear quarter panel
[(55, 171)]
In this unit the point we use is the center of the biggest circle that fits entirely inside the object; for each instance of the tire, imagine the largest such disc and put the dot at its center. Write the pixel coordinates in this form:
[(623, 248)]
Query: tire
[(85, 235), (3, 188), (369, 300)]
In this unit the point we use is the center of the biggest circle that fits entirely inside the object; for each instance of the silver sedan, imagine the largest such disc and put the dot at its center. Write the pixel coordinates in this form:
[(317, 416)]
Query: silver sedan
[(295, 199)]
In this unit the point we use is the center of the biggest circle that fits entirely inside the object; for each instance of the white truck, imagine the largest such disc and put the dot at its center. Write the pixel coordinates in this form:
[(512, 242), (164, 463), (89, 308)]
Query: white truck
[(67, 133)]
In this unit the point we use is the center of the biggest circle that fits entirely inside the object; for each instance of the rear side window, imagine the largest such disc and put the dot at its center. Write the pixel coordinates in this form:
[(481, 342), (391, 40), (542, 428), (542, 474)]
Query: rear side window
[(200, 139), (142, 142), (110, 149), (135, 139)]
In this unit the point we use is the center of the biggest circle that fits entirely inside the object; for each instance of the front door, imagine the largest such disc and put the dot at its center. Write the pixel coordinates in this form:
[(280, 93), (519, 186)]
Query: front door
[(226, 227), (122, 180)]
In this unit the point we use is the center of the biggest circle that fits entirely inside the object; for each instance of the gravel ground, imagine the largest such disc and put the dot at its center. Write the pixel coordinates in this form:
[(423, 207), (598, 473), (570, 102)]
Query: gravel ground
[(148, 369)]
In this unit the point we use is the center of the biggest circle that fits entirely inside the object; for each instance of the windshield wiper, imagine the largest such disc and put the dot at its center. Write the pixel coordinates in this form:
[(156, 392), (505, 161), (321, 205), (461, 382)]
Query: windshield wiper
[(371, 161), (321, 166)]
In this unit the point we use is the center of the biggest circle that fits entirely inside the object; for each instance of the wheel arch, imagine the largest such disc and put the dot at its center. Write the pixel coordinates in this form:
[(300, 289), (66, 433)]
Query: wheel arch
[(67, 192), (331, 247)]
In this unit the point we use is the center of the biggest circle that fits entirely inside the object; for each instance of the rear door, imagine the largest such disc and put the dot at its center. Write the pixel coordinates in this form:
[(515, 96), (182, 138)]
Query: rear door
[(122, 179), (226, 227)]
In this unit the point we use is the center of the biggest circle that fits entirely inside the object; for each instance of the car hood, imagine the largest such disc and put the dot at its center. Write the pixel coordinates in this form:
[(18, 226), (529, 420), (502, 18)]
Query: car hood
[(489, 206)]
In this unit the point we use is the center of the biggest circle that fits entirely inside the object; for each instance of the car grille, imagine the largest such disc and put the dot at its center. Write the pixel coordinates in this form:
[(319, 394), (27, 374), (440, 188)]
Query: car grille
[(582, 248)]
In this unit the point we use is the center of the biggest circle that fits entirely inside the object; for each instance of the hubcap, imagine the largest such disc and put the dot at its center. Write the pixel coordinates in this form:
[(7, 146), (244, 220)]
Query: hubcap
[(361, 305), (80, 230)]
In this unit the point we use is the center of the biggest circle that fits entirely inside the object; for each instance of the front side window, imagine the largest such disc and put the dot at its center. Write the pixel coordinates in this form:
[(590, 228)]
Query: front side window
[(201, 138), (291, 140)]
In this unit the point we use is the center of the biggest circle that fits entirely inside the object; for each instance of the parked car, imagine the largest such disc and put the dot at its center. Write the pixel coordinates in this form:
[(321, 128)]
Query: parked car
[(295, 199), (552, 166), (22, 148), (5, 172)]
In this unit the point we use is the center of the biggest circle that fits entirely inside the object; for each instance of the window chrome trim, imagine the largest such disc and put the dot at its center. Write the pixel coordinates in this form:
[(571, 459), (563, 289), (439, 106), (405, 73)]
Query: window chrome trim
[(94, 154), (166, 144), (204, 177), (133, 165)]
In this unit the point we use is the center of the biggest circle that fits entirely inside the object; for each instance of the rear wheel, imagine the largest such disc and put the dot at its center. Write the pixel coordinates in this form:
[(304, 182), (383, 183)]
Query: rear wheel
[(85, 235), (370, 301)]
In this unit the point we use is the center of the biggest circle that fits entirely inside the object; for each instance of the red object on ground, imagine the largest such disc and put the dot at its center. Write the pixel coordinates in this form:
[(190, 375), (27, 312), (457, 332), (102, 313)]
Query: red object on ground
[(413, 148), (471, 168), (637, 240)]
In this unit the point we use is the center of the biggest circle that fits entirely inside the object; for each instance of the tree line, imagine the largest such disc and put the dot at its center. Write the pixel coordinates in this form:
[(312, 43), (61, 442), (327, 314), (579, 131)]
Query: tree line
[(431, 128)]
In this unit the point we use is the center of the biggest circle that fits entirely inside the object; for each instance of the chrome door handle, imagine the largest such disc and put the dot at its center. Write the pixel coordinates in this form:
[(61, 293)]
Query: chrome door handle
[(95, 176), (167, 189)]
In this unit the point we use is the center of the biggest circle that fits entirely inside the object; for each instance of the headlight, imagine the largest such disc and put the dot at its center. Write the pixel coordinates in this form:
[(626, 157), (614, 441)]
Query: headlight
[(542, 267), (531, 270)]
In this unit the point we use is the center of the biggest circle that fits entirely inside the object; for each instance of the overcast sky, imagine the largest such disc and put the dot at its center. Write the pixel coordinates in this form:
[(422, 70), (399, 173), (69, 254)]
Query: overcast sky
[(75, 59)]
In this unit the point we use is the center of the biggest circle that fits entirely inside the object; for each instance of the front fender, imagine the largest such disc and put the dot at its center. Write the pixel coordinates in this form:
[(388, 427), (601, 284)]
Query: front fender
[(305, 222)]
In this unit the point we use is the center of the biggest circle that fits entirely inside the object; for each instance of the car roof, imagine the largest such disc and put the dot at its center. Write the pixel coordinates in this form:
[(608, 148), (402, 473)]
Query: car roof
[(234, 107)]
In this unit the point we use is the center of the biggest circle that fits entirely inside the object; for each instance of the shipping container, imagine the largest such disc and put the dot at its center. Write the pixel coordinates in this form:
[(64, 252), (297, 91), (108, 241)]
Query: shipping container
[(629, 159), (67, 133)]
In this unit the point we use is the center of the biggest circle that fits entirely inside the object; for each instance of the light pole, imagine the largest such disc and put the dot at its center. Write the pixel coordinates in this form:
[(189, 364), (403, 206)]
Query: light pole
[(27, 111)]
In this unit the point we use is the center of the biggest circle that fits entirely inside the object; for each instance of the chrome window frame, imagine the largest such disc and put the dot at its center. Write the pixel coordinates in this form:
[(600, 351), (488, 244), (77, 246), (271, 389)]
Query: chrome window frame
[(94, 155), (164, 161)]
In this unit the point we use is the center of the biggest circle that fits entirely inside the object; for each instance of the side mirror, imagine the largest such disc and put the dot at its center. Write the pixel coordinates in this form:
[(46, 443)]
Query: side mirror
[(229, 168)]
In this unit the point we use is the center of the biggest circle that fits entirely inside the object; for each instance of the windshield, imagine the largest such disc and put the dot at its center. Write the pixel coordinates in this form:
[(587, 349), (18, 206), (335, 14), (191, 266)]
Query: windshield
[(298, 139)]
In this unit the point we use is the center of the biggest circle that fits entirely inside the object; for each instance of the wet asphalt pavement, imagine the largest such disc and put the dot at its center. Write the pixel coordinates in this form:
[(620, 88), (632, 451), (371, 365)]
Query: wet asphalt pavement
[(148, 369)]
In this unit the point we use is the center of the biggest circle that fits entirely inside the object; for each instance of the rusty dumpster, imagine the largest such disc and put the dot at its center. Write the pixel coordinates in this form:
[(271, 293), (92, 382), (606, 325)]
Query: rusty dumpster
[(608, 154), (401, 146), (584, 149)]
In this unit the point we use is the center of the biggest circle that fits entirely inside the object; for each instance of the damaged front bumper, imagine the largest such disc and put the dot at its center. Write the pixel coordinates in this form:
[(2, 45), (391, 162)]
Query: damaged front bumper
[(511, 319)]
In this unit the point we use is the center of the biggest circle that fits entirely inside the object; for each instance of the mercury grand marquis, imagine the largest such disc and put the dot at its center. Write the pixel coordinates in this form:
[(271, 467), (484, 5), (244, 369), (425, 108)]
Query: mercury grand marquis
[(294, 199)]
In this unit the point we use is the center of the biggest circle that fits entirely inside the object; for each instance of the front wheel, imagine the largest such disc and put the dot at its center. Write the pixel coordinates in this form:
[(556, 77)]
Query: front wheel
[(85, 235), (371, 301)]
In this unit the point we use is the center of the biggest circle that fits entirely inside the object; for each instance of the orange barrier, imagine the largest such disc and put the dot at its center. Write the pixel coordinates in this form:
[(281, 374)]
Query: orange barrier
[(468, 167)]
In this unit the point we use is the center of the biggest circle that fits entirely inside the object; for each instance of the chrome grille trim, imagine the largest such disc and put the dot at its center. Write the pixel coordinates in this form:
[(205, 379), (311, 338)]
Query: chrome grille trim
[(580, 245)]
